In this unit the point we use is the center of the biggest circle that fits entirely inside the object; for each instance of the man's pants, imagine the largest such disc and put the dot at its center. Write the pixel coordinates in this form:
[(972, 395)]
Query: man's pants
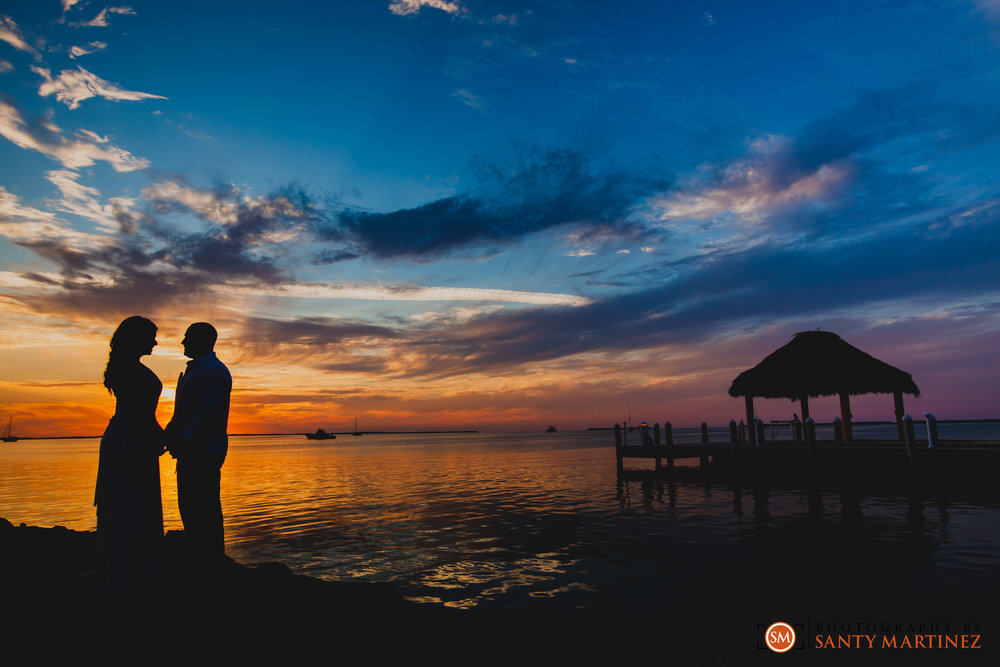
[(198, 479)]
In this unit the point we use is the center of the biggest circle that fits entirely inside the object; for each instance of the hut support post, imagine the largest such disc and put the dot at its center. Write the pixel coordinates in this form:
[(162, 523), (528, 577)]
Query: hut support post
[(804, 403), (838, 430), (810, 427), (748, 399), (618, 447), (845, 413), (897, 400)]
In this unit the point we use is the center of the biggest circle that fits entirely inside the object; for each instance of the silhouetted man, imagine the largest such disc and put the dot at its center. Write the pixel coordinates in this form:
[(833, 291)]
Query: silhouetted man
[(197, 438)]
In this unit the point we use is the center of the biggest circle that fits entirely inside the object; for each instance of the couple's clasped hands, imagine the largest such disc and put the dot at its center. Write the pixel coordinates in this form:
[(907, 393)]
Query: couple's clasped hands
[(171, 440)]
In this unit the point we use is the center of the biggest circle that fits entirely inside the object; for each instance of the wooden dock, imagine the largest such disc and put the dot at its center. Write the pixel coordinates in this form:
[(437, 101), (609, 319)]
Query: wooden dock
[(737, 458)]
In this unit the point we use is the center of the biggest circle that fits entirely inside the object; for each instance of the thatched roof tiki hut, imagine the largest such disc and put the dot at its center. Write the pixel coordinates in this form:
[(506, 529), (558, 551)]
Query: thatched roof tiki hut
[(821, 363)]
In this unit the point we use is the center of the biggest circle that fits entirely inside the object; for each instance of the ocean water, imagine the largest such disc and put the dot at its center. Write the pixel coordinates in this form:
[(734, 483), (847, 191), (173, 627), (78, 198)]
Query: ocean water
[(537, 524)]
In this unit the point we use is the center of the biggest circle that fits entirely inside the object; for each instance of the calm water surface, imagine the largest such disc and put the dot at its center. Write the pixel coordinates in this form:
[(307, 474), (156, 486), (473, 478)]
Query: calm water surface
[(538, 523)]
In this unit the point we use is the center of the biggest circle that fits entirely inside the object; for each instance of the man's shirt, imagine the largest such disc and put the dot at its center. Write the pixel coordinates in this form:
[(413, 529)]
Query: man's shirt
[(201, 405)]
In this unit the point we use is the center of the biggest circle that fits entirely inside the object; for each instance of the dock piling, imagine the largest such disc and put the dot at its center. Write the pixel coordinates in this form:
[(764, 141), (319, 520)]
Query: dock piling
[(810, 426), (703, 459), (734, 437), (656, 443), (748, 399), (932, 430), (668, 440), (618, 447)]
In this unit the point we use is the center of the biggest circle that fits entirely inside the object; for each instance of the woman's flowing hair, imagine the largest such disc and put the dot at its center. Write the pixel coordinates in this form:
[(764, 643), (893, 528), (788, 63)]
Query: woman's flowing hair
[(126, 345)]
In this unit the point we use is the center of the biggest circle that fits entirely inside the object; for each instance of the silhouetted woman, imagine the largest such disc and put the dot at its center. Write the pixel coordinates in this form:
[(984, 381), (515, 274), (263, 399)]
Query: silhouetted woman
[(129, 509)]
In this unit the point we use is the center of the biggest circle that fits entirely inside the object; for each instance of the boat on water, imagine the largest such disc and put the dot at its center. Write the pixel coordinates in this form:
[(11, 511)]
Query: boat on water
[(550, 429), (320, 434), (356, 431), (8, 435)]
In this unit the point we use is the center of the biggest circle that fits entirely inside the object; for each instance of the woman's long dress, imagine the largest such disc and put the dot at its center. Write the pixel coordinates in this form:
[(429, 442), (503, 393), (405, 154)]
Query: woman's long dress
[(129, 508)]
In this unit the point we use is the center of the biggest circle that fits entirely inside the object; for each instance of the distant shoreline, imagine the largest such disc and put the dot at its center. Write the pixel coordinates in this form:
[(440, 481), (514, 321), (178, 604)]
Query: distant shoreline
[(591, 428), (244, 435)]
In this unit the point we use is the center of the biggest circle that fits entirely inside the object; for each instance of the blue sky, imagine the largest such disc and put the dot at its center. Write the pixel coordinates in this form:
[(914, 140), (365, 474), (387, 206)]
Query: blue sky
[(498, 212)]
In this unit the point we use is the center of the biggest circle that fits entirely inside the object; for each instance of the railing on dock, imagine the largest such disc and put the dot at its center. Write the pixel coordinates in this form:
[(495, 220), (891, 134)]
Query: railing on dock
[(747, 447)]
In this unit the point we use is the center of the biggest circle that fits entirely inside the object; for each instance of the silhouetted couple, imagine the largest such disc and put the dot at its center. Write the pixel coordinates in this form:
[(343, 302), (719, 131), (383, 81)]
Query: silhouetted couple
[(129, 508)]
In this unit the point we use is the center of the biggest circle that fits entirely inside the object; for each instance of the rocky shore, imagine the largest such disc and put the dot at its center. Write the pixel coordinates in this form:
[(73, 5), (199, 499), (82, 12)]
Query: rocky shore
[(51, 604)]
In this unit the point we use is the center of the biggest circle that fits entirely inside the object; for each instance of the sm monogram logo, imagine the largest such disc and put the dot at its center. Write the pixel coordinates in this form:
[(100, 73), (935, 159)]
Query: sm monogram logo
[(780, 637)]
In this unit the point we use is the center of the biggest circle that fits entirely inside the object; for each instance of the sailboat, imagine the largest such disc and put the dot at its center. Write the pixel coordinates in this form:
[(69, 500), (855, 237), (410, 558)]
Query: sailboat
[(356, 431), (7, 435)]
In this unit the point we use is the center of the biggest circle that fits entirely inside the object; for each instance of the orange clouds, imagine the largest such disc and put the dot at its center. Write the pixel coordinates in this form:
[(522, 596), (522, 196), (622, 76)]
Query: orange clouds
[(683, 384)]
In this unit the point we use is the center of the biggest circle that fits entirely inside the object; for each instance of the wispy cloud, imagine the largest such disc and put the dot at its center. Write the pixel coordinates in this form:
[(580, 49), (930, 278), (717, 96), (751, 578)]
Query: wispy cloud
[(221, 205), (988, 8), (92, 47), (101, 20), (24, 224), (84, 201), (505, 19), (46, 138), (469, 99), (753, 187), (834, 176), (73, 86), (10, 33), (411, 293), (404, 7)]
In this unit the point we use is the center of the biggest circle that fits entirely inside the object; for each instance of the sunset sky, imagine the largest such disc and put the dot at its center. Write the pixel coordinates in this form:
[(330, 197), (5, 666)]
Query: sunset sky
[(497, 214)]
